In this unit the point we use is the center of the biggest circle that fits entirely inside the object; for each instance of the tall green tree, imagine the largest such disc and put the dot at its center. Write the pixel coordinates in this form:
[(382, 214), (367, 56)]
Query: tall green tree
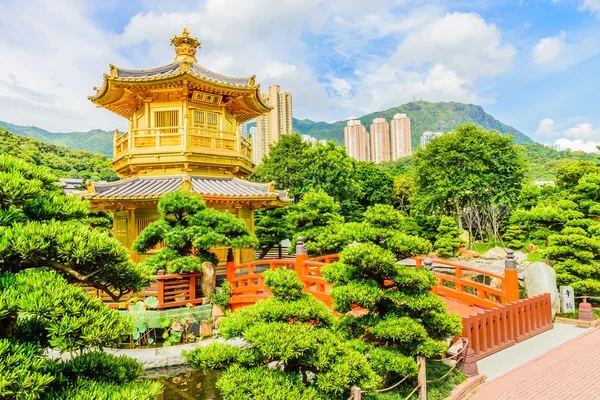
[(298, 167), (313, 217), (271, 226), (286, 165), (468, 169), (47, 246), (375, 185), (189, 230)]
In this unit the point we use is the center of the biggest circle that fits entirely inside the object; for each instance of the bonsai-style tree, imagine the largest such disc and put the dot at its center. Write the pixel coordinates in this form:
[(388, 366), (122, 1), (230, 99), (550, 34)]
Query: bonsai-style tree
[(46, 246), (513, 236), (447, 240), (403, 319), (189, 231), (294, 331)]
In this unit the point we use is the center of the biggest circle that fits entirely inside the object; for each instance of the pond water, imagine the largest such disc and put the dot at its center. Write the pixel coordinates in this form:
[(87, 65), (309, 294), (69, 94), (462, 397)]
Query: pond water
[(185, 384)]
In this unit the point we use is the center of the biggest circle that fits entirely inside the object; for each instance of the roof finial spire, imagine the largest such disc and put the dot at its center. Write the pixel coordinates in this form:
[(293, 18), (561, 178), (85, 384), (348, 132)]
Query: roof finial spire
[(185, 46)]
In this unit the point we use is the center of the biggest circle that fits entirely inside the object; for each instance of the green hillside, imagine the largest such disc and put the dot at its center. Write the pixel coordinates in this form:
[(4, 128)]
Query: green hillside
[(63, 162), (424, 116), (544, 161), (95, 141)]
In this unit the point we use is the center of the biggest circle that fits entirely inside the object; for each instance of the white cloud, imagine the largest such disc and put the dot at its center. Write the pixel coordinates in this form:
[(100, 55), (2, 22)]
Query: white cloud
[(591, 5), (583, 131), (50, 64), (557, 52), (578, 145), (48, 71), (546, 128), (574, 138), (440, 61), (340, 86), (462, 42), (548, 49)]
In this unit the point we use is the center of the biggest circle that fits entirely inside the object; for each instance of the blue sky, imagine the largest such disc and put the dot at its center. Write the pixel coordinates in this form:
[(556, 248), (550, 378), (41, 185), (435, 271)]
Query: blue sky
[(532, 64)]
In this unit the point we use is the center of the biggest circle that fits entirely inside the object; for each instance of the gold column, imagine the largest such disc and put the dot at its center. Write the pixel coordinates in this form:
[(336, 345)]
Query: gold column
[(131, 231), (186, 109)]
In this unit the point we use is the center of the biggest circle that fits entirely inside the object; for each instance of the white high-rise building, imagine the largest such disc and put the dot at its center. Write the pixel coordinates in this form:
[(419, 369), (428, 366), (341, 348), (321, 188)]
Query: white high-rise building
[(244, 130), (356, 140), (380, 141), (270, 127), (429, 136), (400, 135)]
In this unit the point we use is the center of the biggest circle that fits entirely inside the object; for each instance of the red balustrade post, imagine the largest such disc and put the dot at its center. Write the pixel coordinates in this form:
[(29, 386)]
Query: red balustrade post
[(230, 266), (511, 277), (160, 291), (301, 256), (192, 283)]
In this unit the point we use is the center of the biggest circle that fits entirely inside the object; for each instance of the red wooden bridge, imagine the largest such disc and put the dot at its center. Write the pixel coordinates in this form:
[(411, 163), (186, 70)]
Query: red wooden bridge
[(493, 316)]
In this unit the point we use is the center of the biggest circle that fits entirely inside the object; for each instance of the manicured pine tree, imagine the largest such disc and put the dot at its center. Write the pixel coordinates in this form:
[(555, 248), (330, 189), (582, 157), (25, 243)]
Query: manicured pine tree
[(189, 230), (447, 240), (46, 247), (400, 317), (294, 331)]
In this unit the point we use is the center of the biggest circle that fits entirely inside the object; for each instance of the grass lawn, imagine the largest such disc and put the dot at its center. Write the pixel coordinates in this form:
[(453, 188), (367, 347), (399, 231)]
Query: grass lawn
[(535, 257), (482, 248), (574, 314), (435, 390)]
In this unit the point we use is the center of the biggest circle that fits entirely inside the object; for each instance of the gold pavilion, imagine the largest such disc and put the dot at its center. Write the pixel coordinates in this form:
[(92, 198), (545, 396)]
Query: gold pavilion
[(183, 134)]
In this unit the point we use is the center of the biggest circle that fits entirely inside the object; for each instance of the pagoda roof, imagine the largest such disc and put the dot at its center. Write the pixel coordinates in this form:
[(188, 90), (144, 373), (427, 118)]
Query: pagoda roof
[(210, 188), (175, 68), (123, 89)]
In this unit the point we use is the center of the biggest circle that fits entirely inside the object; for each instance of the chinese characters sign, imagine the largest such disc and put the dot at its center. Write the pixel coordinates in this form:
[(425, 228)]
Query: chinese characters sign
[(567, 299), (207, 98)]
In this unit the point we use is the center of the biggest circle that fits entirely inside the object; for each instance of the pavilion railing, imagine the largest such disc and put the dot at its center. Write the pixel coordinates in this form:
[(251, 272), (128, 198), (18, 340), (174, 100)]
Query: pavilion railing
[(173, 138)]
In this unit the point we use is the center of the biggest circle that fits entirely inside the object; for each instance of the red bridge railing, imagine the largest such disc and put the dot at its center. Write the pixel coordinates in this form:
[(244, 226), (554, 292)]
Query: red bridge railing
[(171, 290)]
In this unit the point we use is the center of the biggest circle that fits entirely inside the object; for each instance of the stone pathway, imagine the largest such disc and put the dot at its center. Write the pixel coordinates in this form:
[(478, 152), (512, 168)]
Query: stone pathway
[(568, 372)]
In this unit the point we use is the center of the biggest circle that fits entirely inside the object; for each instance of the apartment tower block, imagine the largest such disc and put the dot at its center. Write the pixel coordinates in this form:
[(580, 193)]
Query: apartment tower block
[(400, 135), (356, 140), (278, 122)]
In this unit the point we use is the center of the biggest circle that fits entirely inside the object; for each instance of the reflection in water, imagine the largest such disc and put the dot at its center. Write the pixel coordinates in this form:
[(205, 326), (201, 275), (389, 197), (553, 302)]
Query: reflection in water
[(190, 385)]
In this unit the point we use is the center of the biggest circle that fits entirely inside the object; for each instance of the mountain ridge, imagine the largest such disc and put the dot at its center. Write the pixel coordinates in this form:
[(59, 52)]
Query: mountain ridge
[(424, 116)]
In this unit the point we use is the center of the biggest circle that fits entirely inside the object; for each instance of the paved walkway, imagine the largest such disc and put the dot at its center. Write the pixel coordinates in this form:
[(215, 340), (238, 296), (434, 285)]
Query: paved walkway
[(569, 372), (521, 353)]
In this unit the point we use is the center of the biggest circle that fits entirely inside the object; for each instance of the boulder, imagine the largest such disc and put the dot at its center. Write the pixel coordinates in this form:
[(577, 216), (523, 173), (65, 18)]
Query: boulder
[(526, 264), (208, 281), (495, 283), (468, 253), (540, 278), (532, 248), (497, 253), (464, 236), (520, 256)]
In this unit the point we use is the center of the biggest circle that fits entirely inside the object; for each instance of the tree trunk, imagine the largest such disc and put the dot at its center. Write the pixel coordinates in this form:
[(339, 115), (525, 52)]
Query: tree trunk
[(209, 279), (8, 326), (458, 218), (264, 252)]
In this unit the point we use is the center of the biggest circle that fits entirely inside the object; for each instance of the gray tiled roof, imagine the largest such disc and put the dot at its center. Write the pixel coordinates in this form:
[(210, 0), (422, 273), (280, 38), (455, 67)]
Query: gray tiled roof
[(210, 187), (204, 73), (167, 69), (174, 68)]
